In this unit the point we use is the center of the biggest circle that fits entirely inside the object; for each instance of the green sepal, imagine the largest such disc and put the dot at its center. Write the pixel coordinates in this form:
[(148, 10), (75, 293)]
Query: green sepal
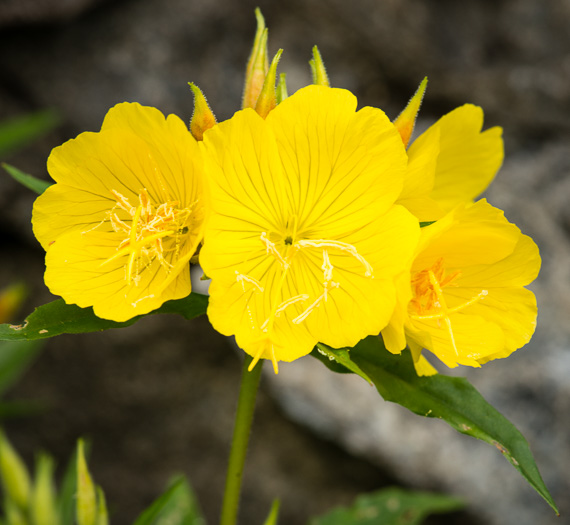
[(318, 70), (392, 506), (452, 399), (29, 181), (57, 318), (177, 505), (281, 91)]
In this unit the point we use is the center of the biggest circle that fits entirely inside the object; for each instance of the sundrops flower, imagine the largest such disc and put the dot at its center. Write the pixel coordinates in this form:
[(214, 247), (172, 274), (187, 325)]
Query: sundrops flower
[(303, 242), (465, 299), (126, 214), (451, 163)]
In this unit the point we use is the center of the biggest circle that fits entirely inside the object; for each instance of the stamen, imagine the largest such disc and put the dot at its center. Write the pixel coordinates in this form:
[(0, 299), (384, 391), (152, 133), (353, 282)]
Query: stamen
[(256, 358), (282, 306), (240, 277), (288, 302), (316, 303), (339, 245), (137, 246), (327, 267), (272, 249), (428, 294), (123, 202)]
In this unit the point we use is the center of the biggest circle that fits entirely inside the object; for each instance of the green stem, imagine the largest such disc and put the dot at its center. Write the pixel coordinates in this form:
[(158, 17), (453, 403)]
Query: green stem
[(242, 427)]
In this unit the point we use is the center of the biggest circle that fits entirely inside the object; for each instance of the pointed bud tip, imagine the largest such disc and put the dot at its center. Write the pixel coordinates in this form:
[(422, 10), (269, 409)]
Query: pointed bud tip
[(406, 121), (268, 96), (257, 64), (318, 70), (203, 118)]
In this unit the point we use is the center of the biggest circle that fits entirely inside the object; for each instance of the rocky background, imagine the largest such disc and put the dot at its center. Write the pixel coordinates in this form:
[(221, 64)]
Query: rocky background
[(158, 398)]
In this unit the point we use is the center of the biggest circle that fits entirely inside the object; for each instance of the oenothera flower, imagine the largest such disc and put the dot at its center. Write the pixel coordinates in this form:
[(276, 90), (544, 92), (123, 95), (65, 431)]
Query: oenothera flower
[(126, 214), (451, 163), (465, 299), (304, 241)]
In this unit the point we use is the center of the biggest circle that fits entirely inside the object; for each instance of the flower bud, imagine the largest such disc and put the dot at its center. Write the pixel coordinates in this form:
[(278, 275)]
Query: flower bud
[(320, 77), (268, 97), (86, 496), (15, 477), (10, 300), (406, 121), (257, 64), (202, 118), (43, 505)]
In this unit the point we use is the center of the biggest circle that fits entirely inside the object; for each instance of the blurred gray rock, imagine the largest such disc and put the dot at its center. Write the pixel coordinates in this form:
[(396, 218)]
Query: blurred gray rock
[(510, 56)]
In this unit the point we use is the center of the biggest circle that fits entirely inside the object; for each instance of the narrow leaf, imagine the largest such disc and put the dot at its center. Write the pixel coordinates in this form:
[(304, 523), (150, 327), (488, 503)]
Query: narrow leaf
[(29, 181), (452, 399), (22, 130), (391, 506), (57, 318), (177, 505)]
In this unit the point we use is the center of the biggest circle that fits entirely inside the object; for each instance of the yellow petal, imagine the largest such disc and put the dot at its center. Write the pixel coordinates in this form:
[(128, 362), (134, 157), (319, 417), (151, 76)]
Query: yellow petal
[(468, 158), (338, 161), (75, 271), (172, 147), (420, 176), (61, 209)]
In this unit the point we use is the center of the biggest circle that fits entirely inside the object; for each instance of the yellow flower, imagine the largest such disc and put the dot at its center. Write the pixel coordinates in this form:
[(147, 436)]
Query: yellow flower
[(126, 214), (465, 299), (304, 241), (451, 163)]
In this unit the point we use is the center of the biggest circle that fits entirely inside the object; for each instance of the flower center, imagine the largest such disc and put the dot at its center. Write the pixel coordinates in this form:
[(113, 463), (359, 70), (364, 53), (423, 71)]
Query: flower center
[(153, 233), (428, 300), (283, 247)]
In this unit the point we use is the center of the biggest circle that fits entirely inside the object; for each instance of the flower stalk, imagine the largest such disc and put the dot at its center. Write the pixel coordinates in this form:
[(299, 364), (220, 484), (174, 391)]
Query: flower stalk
[(242, 428)]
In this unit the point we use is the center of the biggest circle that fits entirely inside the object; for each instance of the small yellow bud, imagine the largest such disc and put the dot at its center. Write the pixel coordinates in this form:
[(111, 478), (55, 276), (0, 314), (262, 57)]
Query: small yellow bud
[(15, 477), (320, 77), (43, 504), (406, 120), (86, 496), (202, 118), (268, 98), (257, 64)]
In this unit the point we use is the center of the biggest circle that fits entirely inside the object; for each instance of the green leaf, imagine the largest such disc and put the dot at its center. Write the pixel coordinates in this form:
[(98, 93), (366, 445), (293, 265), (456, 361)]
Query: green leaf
[(177, 506), (452, 399), (29, 181), (57, 318), (273, 513), (428, 223), (391, 506), (22, 130), (338, 360), (15, 358)]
